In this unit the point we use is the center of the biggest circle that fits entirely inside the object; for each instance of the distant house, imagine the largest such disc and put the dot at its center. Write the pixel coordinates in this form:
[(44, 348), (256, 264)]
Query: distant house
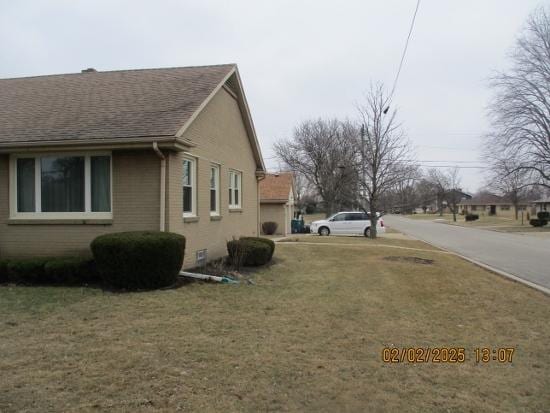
[(277, 193), (433, 205), (542, 204), (90, 153), (490, 204)]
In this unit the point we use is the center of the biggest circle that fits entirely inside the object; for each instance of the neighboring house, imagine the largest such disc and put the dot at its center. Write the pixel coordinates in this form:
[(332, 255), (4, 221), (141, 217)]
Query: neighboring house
[(490, 204), (433, 205), (542, 204), (97, 152), (277, 194)]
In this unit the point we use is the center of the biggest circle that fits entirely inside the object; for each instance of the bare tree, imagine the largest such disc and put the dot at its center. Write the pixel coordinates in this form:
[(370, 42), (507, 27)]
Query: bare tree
[(323, 152), (454, 194), (520, 110), (440, 185), (404, 196), (383, 151), (508, 178)]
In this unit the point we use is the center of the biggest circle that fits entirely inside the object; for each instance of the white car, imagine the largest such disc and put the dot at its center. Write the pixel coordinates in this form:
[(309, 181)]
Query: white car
[(347, 223)]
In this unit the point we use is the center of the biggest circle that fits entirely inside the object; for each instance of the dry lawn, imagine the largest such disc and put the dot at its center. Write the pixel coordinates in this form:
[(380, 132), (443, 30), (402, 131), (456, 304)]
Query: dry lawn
[(307, 336), (488, 222)]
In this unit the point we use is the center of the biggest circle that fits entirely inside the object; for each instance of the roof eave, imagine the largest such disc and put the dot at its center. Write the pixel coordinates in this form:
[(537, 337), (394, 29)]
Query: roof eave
[(273, 201), (164, 142)]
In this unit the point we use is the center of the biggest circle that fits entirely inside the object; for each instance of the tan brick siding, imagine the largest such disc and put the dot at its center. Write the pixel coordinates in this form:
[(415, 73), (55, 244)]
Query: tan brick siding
[(135, 207), (221, 138)]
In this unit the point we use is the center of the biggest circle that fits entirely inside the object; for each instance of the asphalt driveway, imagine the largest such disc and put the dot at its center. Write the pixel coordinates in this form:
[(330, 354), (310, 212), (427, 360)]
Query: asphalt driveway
[(525, 256)]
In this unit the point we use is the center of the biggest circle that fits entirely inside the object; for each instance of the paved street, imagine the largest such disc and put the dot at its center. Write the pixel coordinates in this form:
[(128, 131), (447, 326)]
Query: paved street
[(524, 256)]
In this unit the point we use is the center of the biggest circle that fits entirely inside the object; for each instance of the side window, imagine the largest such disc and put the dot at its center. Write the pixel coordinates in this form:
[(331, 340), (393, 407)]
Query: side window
[(189, 190), (340, 217), (235, 182), (214, 190)]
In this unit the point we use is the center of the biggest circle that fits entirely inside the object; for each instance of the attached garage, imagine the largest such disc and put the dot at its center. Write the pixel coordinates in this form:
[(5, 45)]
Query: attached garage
[(277, 195)]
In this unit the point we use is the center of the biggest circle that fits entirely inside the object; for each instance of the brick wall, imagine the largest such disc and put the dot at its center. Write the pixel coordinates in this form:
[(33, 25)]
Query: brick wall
[(135, 207)]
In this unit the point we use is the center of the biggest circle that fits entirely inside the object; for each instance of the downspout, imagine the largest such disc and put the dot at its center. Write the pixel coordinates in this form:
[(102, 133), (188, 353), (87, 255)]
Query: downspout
[(258, 225), (162, 186)]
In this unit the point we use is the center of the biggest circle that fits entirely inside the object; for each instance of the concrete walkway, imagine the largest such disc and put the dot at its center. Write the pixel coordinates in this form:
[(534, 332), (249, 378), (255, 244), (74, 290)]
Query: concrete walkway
[(524, 256)]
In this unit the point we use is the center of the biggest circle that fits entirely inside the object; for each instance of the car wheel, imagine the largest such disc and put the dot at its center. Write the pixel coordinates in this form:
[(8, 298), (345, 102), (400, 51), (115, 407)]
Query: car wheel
[(367, 232), (324, 231)]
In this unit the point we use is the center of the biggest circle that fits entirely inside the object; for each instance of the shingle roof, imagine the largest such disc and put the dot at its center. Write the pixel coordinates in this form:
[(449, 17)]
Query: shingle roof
[(104, 105), (276, 187), (485, 199)]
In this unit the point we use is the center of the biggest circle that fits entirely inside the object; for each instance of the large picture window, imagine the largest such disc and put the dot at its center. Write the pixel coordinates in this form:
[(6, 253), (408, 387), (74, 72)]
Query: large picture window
[(235, 182), (214, 190), (62, 186), (189, 187)]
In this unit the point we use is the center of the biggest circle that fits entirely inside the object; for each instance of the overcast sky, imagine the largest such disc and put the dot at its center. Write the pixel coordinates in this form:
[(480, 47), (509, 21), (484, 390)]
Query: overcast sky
[(298, 59)]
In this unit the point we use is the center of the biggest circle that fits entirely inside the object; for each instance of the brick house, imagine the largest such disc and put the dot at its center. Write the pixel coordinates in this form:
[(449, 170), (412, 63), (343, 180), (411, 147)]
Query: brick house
[(96, 152)]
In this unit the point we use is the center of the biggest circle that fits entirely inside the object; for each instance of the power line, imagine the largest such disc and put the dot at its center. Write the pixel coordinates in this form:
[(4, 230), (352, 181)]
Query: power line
[(430, 161), (404, 50)]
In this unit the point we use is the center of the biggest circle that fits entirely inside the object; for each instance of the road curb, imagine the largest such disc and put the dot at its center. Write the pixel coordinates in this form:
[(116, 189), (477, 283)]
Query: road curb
[(494, 270)]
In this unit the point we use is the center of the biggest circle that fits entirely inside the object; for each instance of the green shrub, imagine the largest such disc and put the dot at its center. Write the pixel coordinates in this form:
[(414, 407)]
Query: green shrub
[(471, 217), (3, 271), (70, 270), (269, 227), (538, 222), (544, 215), (248, 252), (140, 259), (266, 241), (27, 271)]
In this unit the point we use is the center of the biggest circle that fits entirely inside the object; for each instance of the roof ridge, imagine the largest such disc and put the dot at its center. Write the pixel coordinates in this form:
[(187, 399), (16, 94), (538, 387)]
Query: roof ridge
[(120, 70)]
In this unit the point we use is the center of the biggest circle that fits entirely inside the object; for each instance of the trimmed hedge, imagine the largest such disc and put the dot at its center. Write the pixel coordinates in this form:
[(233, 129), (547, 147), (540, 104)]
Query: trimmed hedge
[(471, 217), (27, 271), (66, 271), (269, 227), (71, 270), (139, 259), (538, 222), (3, 271), (265, 241), (248, 252), (544, 215)]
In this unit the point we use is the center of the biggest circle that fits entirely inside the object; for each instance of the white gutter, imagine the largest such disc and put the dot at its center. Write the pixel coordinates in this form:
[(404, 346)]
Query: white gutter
[(258, 204), (162, 186)]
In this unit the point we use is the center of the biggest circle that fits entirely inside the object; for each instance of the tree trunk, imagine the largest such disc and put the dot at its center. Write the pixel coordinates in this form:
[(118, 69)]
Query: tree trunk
[(373, 221)]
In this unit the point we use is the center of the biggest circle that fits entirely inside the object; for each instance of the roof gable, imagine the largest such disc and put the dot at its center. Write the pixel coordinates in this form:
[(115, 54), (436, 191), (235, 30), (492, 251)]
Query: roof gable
[(276, 187)]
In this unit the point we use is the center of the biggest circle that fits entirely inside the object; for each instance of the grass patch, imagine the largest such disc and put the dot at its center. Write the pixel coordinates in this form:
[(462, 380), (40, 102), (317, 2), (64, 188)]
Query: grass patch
[(359, 240), (307, 336), (489, 222)]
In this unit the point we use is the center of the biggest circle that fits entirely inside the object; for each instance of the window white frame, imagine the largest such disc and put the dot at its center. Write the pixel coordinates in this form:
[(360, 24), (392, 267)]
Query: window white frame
[(215, 168), (193, 185), (235, 201), (38, 214)]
